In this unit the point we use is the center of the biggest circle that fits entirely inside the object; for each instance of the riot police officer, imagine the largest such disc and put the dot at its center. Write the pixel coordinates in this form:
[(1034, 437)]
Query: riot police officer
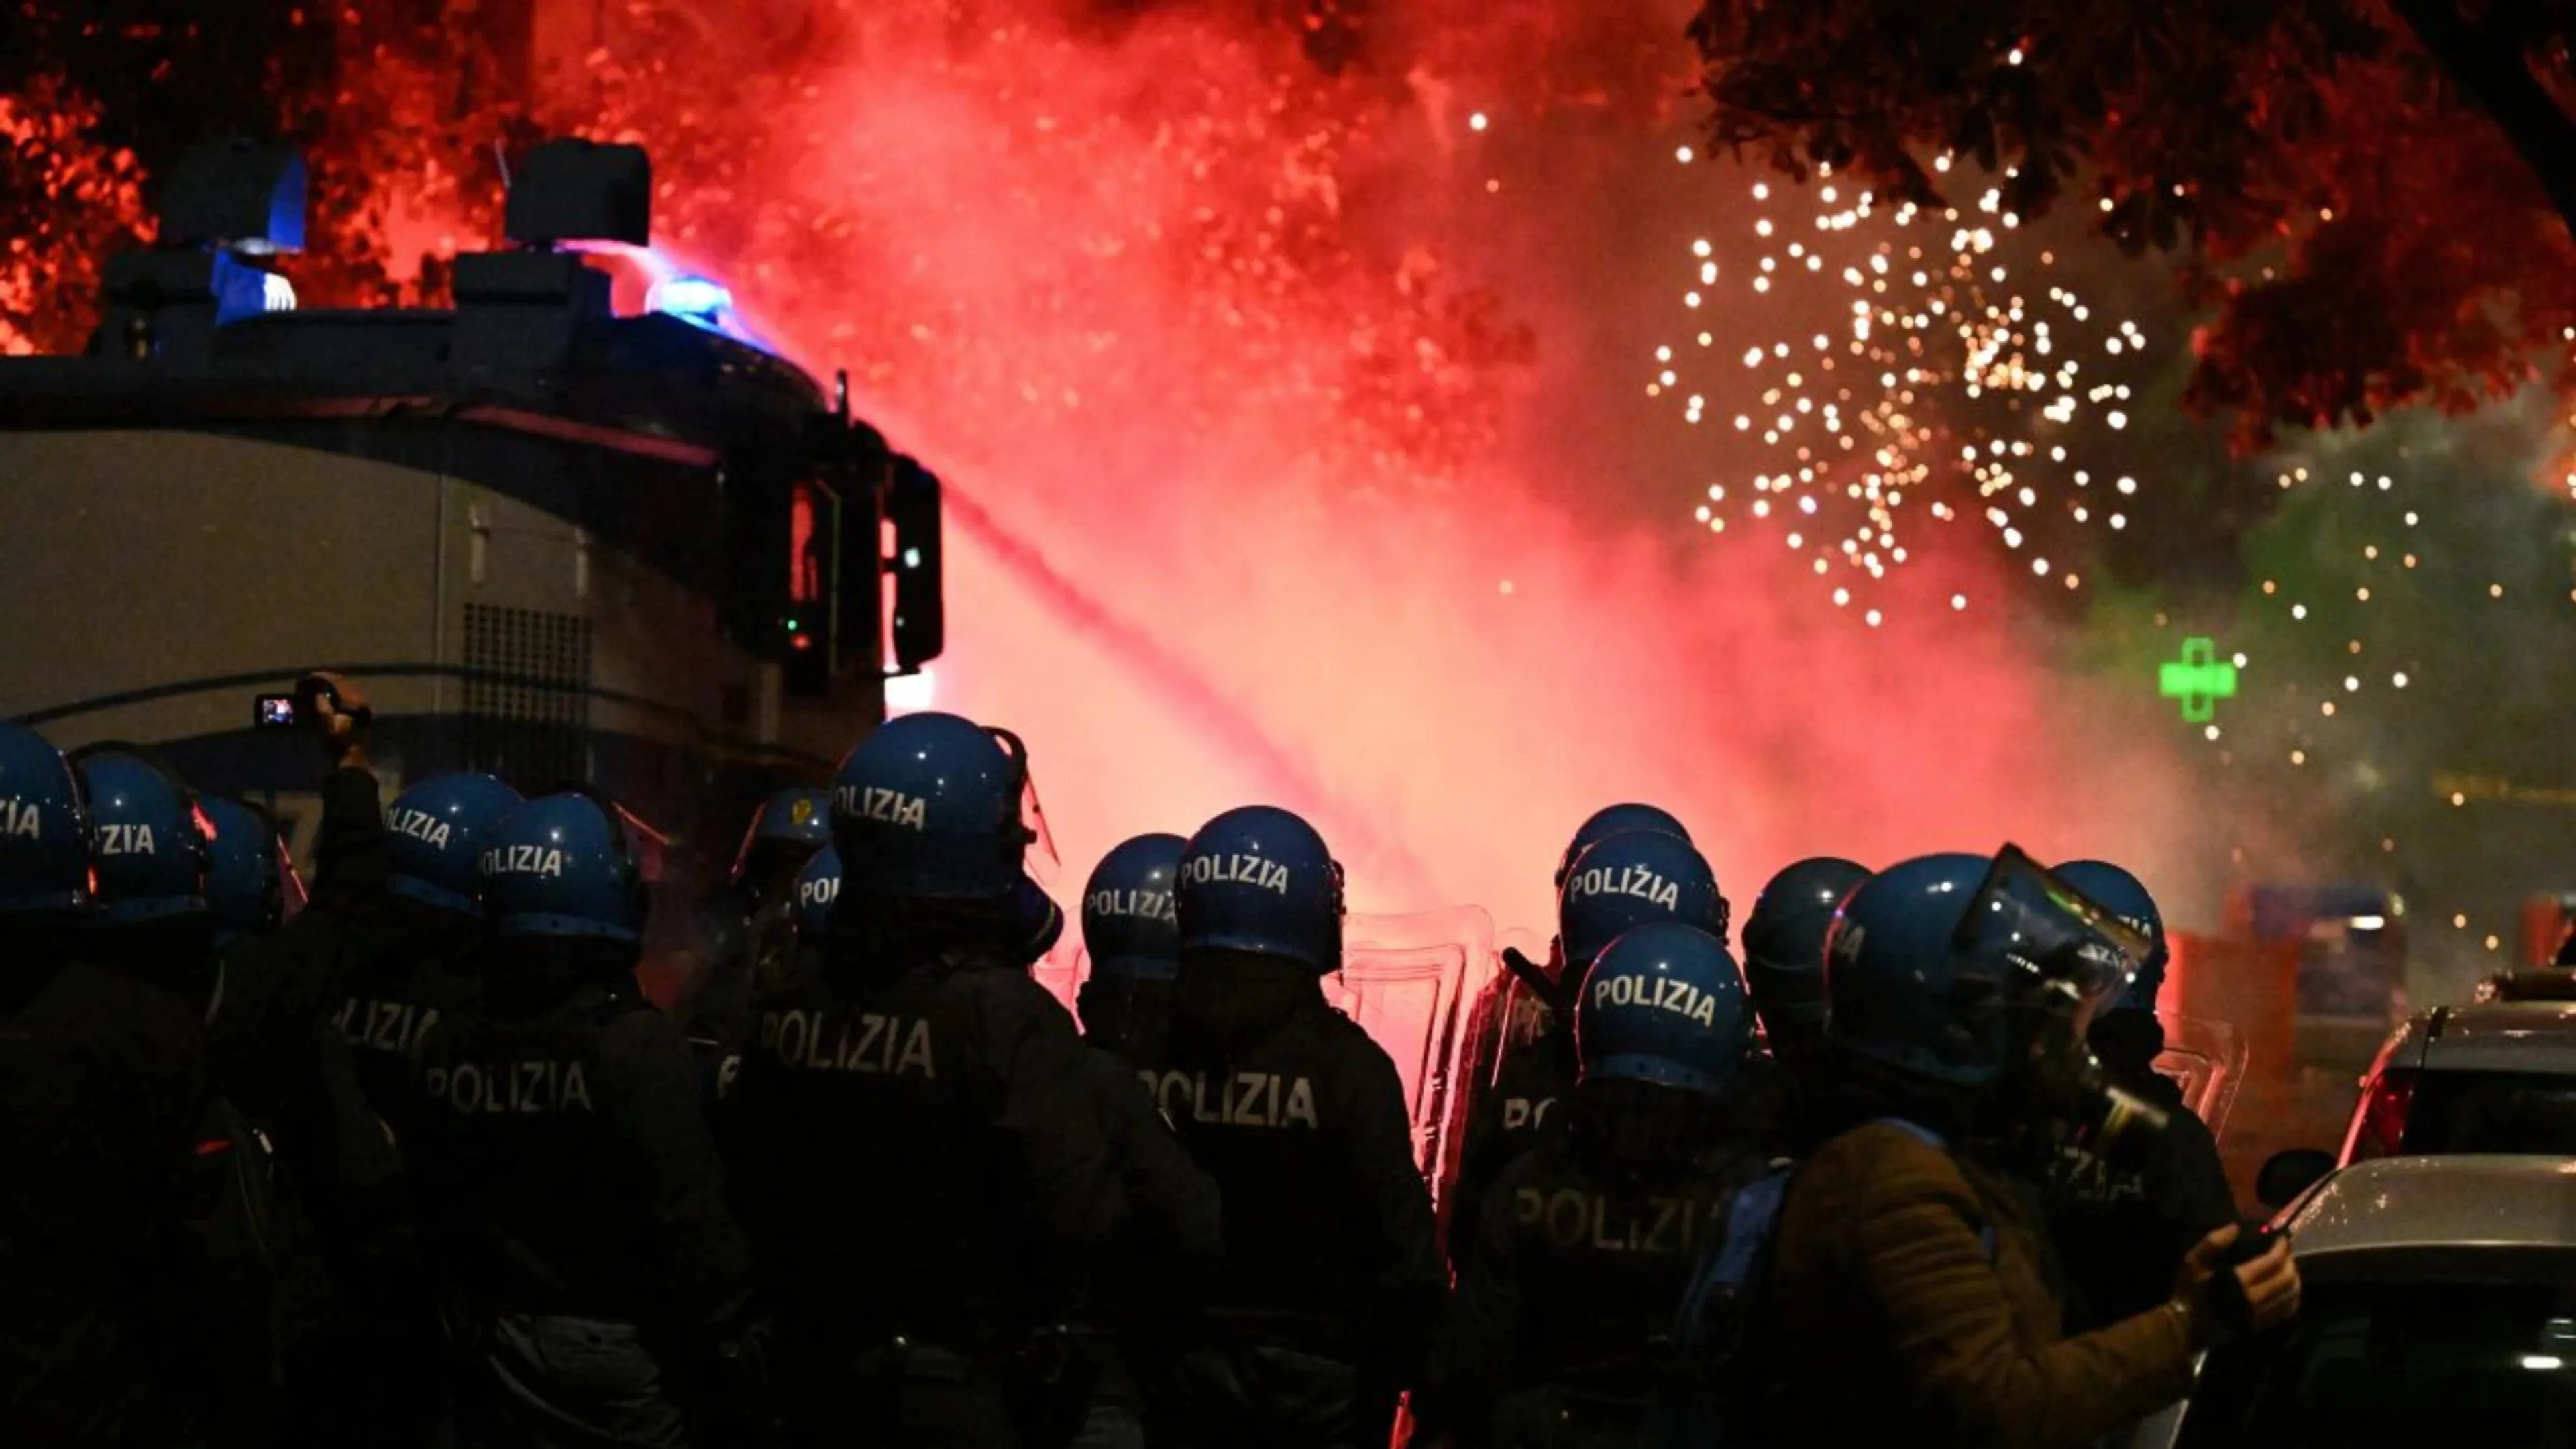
[(239, 1211), (403, 965), (1784, 948), (2122, 1223), (1566, 1333), (298, 1186), (101, 1086), (1133, 937), (1528, 1004), (1784, 970), (572, 1190), (1331, 1283), (1621, 880), (412, 962), (923, 1177), (746, 929), (1908, 1298)]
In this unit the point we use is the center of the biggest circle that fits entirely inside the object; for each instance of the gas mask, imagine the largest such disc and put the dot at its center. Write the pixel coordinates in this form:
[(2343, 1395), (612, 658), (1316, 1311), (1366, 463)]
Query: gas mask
[(2062, 958)]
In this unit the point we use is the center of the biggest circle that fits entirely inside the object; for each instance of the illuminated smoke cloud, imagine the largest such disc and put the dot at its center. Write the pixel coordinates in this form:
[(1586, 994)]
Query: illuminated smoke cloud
[(1299, 457)]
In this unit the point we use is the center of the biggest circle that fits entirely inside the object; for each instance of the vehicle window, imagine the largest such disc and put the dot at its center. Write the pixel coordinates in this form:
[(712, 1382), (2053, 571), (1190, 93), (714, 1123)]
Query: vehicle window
[(2492, 1112), (2400, 1364)]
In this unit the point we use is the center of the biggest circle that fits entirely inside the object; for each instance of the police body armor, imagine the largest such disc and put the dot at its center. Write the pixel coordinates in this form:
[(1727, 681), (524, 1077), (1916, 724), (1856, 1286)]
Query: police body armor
[(1597, 1270), (545, 1220), (883, 1161), (1314, 1318), (1525, 1106), (402, 980)]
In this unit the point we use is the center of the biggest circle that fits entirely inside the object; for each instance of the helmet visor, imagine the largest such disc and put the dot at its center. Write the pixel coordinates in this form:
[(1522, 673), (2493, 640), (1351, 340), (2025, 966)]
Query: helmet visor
[(2049, 932)]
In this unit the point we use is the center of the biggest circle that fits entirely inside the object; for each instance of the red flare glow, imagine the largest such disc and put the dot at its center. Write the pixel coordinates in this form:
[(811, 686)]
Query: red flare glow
[(1291, 460)]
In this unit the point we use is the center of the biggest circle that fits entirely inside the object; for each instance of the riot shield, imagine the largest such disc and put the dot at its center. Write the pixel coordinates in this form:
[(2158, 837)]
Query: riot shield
[(1524, 1007), (2206, 1059), (1412, 982)]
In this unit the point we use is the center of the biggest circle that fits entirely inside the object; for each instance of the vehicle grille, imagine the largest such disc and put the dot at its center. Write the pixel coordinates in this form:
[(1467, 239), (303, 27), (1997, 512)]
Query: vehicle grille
[(527, 694)]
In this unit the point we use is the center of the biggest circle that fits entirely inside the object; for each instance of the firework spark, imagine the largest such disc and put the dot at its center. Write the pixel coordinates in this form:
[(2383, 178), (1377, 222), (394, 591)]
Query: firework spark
[(1918, 367)]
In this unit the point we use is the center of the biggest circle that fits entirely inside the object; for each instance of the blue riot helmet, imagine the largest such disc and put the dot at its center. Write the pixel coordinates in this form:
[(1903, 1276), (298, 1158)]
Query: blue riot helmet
[(1958, 975), (1784, 946), (1665, 1005), (147, 838), (1129, 924), (2126, 897), (937, 808), (561, 866), (1611, 820), (44, 828), (1259, 880), (818, 885), (1131, 928), (1626, 880), (1898, 992), (784, 833), (434, 837), (245, 874)]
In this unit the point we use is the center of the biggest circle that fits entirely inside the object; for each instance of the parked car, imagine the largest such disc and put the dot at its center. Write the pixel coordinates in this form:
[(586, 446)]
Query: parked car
[(2497, 1076), (2438, 1308)]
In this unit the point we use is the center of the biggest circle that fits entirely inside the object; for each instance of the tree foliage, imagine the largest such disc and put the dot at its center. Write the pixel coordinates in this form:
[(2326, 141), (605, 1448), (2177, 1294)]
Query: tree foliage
[(2376, 199), (398, 107)]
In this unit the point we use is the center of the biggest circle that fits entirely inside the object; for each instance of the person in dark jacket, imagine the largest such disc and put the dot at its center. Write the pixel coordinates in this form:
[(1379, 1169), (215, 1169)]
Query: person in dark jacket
[(571, 1187), (917, 1157), (1320, 1314), (1566, 1329), (1619, 880), (1907, 1300), (102, 1077), (2122, 1224), (273, 983)]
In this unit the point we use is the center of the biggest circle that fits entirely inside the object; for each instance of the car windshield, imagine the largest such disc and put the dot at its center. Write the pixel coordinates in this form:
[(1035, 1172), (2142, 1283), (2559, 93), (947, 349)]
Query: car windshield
[(2492, 1112), (2411, 1364)]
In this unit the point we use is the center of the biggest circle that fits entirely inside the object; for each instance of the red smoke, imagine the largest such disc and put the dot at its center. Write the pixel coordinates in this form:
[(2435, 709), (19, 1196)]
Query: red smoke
[(1298, 433), (1299, 464)]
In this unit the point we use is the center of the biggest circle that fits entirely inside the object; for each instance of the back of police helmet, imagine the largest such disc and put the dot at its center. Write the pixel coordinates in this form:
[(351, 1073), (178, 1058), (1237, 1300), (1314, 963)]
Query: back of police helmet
[(561, 866), (1260, 880)]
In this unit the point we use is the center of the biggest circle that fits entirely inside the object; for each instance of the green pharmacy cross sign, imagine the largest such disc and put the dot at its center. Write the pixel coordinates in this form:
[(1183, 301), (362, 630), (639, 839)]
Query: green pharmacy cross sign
[(2198, 679)]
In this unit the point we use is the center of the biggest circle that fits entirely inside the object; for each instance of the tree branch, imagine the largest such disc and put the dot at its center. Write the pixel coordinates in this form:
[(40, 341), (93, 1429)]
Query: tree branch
[(2492, 74)]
